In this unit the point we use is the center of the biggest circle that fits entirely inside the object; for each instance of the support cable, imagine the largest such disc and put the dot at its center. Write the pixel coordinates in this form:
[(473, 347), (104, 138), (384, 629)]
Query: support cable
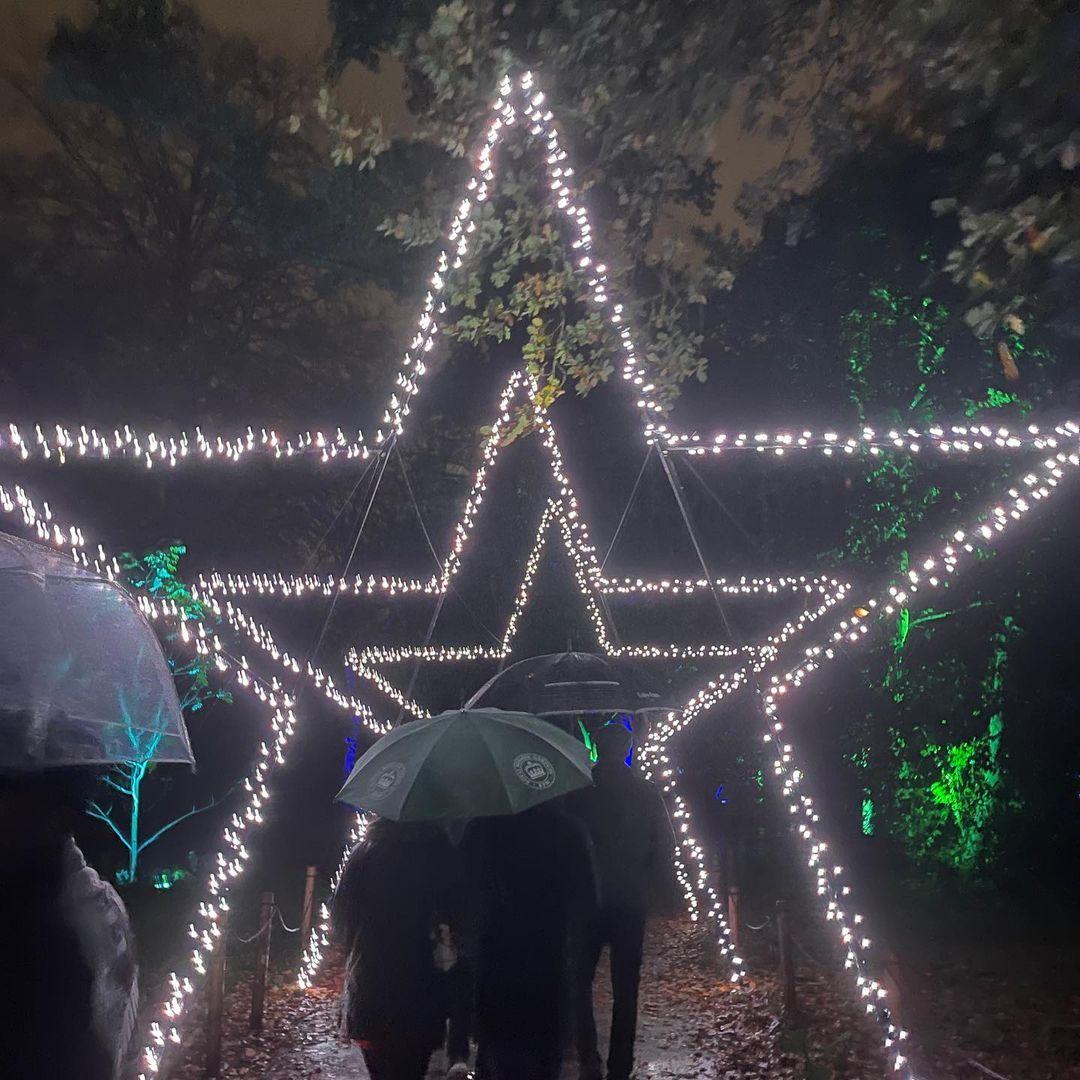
[(626, 510), (607, 554), (439, 565), (341, 510), (716, 499), (380, 470), (684, 510)]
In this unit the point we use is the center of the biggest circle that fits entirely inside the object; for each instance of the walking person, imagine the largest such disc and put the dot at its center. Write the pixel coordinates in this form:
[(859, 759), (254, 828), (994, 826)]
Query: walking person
[(535, 891), (389, 911), (632, 839), (70, 949)]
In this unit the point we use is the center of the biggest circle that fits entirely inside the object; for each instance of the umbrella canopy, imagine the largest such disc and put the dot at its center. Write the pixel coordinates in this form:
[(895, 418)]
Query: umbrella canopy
[(464, 764), (83, 680), (572, 682)]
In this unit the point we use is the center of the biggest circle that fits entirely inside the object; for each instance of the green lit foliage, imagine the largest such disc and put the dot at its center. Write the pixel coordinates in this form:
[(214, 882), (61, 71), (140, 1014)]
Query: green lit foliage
[(156, 573), (950, 796), (869, 827), (938, 782)]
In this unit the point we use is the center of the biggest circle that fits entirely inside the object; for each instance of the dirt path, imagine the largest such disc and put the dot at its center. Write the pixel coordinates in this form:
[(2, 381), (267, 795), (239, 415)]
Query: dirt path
[(692, 1027)]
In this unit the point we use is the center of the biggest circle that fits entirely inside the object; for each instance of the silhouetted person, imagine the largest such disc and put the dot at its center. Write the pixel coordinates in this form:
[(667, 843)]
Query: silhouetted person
[(535, 889), (632, 840), (73, 994), (394, 897)]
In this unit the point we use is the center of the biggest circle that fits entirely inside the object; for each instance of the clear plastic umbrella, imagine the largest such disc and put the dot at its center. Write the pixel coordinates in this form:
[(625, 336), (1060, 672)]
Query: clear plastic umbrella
[(83, 680)]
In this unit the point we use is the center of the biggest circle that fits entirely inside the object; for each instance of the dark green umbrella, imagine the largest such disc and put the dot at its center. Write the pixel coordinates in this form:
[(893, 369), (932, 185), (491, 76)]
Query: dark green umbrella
[(467, 763)]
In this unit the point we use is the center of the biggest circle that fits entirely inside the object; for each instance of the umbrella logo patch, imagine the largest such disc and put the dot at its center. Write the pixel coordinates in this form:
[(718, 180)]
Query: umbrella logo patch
[(387, 780), (535, 771)]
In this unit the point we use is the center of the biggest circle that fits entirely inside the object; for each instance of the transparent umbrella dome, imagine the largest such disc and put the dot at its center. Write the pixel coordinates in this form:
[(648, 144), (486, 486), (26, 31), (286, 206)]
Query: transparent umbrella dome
[(573, 683), (83, 679)]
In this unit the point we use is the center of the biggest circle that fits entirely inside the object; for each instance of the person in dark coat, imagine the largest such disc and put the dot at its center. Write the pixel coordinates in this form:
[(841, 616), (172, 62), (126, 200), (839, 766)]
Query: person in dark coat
[(632, 839), (69, 947), (391, 910), (535, 890)]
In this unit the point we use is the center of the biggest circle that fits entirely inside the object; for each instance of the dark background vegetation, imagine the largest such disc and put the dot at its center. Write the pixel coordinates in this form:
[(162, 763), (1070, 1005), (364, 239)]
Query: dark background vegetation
[(201, 235)]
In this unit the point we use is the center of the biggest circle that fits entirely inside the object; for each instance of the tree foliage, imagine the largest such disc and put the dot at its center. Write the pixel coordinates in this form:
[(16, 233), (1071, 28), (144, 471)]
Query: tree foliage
[(641, 87), (198, 244)]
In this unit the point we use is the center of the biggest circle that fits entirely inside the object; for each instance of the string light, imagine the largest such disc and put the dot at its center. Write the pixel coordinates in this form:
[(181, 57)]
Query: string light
[(320, 934), (955, 440), (232, 858), (931, 571), (563, 510), (150, 448), (244, 624), (59, 443)]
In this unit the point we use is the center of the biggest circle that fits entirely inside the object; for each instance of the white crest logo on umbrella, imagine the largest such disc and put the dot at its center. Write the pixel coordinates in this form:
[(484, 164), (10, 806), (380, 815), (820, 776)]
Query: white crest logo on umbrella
[(387, 780), (535, 771)]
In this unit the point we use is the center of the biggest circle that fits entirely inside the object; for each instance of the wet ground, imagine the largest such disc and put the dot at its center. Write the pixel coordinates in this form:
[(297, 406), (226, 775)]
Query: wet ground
[(692, 1026)]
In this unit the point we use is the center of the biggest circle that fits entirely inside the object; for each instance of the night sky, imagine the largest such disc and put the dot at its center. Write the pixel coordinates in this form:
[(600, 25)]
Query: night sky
[(299, 30)]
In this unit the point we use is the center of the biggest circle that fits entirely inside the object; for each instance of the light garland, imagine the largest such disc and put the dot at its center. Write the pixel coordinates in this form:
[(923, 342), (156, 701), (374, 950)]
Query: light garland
[(151, 448), (931, 572), (366, 662), (563, 510), (246, 625), (231, 860), (955, 440), (697, 889), (320, 935), (743, 586), (62, 443), (59, 443)]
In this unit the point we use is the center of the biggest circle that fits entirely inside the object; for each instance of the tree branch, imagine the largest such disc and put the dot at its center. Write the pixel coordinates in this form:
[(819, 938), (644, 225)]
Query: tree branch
[(183, 817), (95, 811), (107, 779)]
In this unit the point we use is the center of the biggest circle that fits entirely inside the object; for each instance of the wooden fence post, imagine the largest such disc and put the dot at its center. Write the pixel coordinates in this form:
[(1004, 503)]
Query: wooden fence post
[(733, 914), (215, 1001), (787, 959), (307, 912), (262, 961)]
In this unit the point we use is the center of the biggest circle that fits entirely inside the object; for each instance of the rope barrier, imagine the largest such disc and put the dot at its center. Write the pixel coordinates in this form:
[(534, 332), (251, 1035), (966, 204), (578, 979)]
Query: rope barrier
[(262, 929), (284, 926), (258, 933)]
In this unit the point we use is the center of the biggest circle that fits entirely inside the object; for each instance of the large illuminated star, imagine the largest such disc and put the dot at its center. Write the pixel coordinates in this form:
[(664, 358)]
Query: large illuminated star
[(1054, 451), (560, 514)]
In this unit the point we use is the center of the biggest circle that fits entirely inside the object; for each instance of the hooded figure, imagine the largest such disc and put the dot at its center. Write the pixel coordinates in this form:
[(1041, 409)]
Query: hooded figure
[(70, 948), (534, 892), (391, 909), (628, 824)]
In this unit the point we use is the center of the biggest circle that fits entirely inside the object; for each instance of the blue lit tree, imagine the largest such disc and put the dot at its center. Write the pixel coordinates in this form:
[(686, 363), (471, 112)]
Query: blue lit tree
[(155, 573)]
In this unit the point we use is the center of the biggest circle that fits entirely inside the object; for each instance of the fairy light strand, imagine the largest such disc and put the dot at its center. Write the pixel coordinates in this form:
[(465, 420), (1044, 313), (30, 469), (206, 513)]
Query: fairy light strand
[(59, 443), (232, 858), (64, 444)]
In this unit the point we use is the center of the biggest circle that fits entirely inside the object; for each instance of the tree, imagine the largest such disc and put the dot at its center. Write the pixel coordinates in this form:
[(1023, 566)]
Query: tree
[(636, 90), (998, 80), (639, 91), (940, 725), (155, 573), (180, 243)]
